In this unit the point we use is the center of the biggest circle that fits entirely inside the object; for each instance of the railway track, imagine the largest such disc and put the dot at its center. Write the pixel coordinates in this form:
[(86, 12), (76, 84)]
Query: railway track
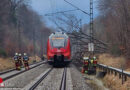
[(39, 81), (62, 85), (10, 74), (7, 71), (63, 81), (47, 78)]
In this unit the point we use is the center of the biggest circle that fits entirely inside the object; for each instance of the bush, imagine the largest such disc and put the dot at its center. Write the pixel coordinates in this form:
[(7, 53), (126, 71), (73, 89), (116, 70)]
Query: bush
[(115, 50), (3, 52)]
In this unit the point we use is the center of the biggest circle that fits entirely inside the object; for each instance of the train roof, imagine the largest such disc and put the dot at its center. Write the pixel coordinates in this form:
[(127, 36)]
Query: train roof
[(58, 34)]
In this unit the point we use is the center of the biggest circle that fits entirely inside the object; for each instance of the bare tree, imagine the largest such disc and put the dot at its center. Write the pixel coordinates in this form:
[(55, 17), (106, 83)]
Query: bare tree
[(116, 19)]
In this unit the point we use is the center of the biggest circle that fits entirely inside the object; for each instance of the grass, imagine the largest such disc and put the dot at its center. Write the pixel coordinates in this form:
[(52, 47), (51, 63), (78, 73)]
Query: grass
[(95, 83), (111, 81), (114, 83), (8, 63), (109, 60)]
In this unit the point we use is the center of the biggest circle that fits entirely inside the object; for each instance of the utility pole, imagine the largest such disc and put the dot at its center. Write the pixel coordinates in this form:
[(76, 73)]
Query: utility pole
[(91, 32), (91, 25), (80, 35), (90, 14), (91, 21)]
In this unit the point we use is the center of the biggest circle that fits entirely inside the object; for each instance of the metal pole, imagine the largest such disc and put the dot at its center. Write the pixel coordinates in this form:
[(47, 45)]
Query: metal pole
[(91, 23), (122, 76)]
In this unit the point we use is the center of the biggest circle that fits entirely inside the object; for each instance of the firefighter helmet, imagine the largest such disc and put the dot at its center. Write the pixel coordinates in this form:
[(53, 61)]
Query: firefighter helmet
[(16, 54), (20, 54), (94, 57), (85, 58), (25, 54)]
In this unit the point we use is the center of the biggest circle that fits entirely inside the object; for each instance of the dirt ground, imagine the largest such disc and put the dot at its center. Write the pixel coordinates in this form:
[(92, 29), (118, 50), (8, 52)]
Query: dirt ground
[(95, 83)]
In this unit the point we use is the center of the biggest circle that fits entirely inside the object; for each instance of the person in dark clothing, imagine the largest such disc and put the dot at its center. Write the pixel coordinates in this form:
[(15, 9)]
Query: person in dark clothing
[(17, 65), (25, 60), (20, 60)]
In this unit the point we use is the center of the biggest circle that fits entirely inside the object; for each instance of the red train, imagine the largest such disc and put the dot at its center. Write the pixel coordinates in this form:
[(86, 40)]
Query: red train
[(58, 48)]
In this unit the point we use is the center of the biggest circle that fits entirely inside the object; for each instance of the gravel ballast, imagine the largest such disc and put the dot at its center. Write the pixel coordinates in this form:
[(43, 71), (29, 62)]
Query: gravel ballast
[(52, 81), (74, 79), (78, 81), (23, 79)]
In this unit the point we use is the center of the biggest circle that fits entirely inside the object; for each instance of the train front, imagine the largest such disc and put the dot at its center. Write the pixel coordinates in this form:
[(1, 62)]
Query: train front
[(58, 48)]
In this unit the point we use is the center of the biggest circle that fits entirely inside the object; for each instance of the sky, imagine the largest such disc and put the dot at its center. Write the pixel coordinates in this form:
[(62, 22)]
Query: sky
[(43, 7)]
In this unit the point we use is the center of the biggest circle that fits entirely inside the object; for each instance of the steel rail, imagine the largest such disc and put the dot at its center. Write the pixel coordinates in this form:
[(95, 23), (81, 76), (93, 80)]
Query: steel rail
[(11, 76), (41, 79), (13, 69), (10, 70), (63, 81)]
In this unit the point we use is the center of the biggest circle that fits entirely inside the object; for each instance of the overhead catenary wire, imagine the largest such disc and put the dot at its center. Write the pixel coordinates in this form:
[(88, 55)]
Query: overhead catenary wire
[(91, 18), (90, 36), (77, 8), (50, 14)]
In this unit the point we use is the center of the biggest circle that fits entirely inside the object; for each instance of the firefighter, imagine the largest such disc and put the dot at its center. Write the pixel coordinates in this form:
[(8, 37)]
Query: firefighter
[(95, 63), (16, 61), (83, 70), (20, 60), (25, 60), (85, 65), (91, 61)]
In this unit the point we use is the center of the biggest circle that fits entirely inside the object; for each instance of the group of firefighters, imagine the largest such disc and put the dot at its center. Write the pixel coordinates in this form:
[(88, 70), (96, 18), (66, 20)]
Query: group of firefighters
[(19, 61), (89, 65)]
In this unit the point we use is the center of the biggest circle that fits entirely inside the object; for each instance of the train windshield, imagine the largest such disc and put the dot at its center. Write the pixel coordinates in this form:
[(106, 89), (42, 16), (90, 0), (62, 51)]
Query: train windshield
[(58, 42)]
